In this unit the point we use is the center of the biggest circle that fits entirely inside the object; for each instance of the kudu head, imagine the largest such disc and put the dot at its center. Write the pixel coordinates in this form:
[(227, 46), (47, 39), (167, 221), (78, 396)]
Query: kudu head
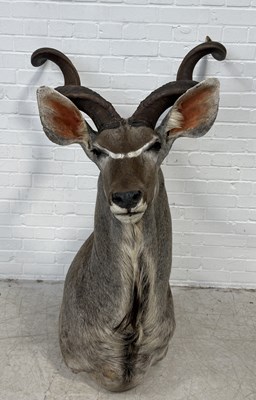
[(129, 152)]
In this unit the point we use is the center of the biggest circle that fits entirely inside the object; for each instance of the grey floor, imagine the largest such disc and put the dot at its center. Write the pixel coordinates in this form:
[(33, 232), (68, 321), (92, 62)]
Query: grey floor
[(212, 355)]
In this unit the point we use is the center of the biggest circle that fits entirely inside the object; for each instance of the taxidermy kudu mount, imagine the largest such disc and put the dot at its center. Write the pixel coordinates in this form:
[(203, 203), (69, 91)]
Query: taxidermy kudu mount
[(117, 314)]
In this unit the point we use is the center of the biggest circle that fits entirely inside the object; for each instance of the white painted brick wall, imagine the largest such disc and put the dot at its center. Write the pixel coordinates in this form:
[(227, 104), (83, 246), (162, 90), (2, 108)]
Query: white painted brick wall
[(124, 49)]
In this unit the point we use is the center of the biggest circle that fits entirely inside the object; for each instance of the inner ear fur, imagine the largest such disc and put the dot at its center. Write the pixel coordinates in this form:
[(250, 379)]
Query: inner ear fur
[(62, 122), (194, 112)]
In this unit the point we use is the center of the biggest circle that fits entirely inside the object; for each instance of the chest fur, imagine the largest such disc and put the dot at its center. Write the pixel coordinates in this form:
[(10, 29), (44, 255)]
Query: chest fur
[(138, 273)]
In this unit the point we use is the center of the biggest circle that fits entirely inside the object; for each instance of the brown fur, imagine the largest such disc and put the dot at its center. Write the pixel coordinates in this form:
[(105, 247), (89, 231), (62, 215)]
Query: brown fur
[(117, 314)]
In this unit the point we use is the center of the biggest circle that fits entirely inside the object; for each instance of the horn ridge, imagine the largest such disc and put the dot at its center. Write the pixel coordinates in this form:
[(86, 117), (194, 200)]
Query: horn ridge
[(95, 106), (40, 56), (150, 109), (216, 49)]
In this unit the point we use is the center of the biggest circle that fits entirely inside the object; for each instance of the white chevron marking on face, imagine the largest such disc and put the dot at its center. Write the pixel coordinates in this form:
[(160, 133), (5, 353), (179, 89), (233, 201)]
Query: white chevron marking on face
[(131, 154)]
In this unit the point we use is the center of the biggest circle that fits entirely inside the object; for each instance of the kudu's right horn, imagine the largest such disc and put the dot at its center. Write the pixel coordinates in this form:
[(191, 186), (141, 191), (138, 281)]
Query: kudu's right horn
[(95, 106)]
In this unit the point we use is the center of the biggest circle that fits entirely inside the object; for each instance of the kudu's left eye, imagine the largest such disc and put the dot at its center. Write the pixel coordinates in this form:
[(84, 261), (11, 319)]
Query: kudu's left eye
[(155, 147)]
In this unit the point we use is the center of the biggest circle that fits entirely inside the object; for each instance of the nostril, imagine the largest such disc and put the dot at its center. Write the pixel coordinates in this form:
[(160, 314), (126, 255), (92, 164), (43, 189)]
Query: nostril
[(117, 198), (136, 196), (127, 199)]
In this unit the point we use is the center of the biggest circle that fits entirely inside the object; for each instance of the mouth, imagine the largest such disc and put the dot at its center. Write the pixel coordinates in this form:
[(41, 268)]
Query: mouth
[(128, 216)]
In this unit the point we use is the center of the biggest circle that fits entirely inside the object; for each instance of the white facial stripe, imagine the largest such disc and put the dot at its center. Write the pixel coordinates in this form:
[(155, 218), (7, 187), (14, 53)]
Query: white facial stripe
[(131, 154)]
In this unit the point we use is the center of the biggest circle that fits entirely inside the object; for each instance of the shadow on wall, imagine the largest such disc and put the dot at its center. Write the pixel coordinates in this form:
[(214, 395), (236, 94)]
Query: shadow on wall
[(23, 248)]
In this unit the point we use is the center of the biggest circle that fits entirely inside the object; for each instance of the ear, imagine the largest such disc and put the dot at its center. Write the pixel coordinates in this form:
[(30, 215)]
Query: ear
[(62, 122), (194, 112)]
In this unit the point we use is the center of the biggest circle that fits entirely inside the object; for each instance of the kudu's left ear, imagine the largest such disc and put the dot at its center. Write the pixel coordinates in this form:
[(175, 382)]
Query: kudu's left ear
[(62, 122), (194, 112)]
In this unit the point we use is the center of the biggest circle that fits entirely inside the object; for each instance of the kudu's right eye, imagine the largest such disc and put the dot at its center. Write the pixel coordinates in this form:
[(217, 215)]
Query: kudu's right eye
[(97, 152)]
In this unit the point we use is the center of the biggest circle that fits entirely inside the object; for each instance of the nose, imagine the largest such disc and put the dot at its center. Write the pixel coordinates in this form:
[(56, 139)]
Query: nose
[(127, 199)]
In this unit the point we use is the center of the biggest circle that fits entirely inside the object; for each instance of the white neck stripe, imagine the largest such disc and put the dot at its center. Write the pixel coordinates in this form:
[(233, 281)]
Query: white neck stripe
[(131, 154)]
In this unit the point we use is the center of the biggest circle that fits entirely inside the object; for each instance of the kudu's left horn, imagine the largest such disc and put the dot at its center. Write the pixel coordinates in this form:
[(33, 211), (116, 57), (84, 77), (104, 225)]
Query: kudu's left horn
[(150, 109)]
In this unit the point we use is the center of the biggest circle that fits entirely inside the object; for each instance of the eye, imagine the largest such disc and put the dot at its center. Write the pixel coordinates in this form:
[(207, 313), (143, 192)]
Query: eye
[(97, 152), (155, 147)]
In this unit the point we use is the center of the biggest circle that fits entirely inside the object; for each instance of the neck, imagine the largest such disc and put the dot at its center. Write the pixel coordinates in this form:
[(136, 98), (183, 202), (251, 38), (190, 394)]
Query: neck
[(129, 255)]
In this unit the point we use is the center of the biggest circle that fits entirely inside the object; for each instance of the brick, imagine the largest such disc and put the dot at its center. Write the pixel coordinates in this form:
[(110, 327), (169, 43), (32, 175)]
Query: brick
[(92, 12), (234, 3), (5, 10), (11, 27), (243, 278), (44, 233), (4, 206), (131, 81), (61, 28), (32, 27), (64, 208), (112, 64), (134, 31), (235, 35), (133, 13), (191, 15), (194, 213), (9, 165), (42, 208), (96, 80), (68, 182), (196, 186), (14, 270), (87, 183), (23, 232), (246, 202), (47, 167), (43, 220), (5, 232), (85, 63), (159, 32), (213, 2), (110, 30), (134, 48), (187, 2), (5, 179), (213, 200), (214, 32), (184, 33), (47, 270), (65, 233), (160, 66), (23, 9), (6, 42), (211, 276), (11, 244), (239, 17), (40, 180), (20, 180), (29, 43), (238, 214), (64, 154), (216, 214)]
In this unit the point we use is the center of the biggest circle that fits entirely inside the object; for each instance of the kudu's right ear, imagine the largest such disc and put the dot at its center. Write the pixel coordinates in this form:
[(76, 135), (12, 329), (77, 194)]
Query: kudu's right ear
[(62, 122)]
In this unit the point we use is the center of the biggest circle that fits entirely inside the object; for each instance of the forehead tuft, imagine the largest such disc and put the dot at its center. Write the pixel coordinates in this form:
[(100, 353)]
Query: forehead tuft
[(125, 139)]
